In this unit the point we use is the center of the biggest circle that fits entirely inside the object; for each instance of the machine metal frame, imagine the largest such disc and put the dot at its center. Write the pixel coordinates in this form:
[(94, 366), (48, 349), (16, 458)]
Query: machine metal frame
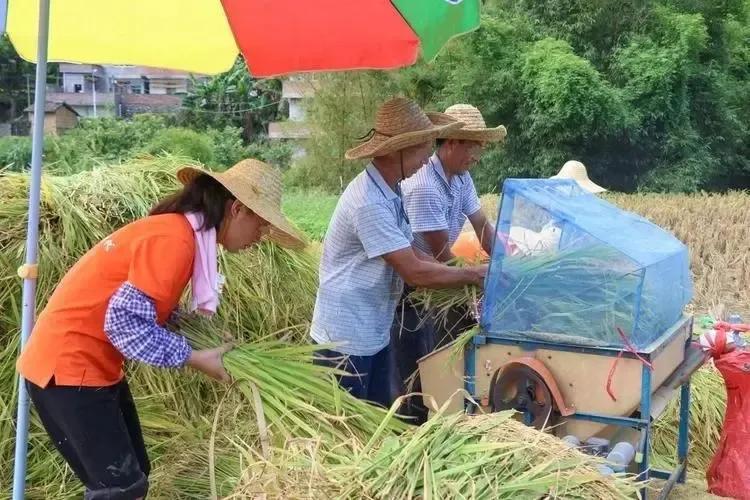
[(642, 421)]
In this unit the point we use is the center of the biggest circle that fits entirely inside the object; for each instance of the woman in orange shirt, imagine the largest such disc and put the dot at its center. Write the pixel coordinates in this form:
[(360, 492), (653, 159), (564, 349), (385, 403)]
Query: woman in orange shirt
[(113, 305)]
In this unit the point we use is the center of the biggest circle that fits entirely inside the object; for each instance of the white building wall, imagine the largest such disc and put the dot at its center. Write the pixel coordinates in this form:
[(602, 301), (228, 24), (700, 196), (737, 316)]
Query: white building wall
[(296, 110), (70, 80)]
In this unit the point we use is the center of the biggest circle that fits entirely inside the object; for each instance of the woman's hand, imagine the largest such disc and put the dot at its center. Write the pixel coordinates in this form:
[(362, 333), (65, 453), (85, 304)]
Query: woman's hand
[(209, 361)]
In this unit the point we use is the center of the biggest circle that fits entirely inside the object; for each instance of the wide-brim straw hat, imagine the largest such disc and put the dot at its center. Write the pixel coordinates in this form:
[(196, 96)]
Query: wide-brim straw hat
[(399, 124), (577, 171), (474, 129), (258, 186)]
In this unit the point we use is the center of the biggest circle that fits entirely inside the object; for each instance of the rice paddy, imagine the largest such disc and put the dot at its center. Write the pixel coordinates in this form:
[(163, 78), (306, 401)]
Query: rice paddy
[(284, 429)]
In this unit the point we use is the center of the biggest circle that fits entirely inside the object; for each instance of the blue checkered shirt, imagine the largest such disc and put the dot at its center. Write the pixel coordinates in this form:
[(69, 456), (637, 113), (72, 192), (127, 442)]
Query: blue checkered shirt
[(434, 204), (359, 291), (130, 324)]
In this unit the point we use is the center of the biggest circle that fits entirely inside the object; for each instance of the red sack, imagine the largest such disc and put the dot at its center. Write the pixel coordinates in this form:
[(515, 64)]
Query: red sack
[(729, 472)]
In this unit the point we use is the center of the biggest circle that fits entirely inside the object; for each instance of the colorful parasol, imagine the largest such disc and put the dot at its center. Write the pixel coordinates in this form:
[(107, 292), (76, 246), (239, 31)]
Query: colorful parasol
[(274, 36)]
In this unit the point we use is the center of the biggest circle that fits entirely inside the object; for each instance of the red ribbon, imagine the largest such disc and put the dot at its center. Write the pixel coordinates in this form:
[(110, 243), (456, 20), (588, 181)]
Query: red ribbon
[(628, 347)]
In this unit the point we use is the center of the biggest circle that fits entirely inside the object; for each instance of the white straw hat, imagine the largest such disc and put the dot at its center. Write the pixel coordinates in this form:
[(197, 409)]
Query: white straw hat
[(399, 124), (474, 128), (256, 185), (577, 171)]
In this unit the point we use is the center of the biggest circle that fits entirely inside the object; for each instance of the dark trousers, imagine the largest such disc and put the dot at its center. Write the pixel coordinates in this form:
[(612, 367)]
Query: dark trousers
[(371, 378), (416, 334), (456, 321), (412, 337), (97, 431)]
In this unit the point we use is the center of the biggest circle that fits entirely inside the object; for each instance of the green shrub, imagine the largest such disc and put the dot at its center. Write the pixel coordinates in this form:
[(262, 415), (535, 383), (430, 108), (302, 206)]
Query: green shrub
[(275, 153), (15, 153), (227, 146), (182, 142), (99, 140)]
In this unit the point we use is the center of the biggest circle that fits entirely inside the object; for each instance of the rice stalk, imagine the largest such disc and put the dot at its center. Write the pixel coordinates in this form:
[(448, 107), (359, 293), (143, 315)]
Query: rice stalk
[(707, 409), (451, 456)]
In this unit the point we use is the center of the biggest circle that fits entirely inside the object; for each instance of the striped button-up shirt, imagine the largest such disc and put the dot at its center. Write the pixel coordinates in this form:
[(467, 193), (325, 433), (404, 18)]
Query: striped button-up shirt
[(434, 204), (359, 291)]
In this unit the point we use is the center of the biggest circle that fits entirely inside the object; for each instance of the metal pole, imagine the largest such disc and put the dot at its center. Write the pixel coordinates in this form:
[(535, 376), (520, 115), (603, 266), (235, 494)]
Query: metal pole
[(3, 15), (28, 310)]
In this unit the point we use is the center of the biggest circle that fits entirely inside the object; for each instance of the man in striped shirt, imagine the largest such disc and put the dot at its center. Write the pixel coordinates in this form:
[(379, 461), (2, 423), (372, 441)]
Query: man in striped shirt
[(439, 199), (368, 253)]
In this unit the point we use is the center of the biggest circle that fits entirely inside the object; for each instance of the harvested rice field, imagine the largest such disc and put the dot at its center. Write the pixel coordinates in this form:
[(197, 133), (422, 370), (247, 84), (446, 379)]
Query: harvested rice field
[(284, 429)]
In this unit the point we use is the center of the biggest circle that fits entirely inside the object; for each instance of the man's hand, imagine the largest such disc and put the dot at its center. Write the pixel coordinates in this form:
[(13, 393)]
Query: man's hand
[(210, 362), (481, 272)]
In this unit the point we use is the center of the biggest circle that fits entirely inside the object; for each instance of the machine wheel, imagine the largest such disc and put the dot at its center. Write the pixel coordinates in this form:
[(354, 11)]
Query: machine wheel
[(520, 388)]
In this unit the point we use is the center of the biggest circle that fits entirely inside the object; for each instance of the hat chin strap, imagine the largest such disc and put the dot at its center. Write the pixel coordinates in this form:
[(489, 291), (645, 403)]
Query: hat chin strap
[(403, 176)]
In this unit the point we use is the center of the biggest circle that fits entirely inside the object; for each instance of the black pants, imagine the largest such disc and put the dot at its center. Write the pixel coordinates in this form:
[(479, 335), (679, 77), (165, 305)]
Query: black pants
[(457, 321), (412, 337), (416, 334), (371, 378), (97, 431)]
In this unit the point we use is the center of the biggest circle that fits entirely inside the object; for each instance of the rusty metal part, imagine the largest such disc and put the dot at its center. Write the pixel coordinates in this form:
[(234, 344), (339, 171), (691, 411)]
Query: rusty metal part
[(521, 388), (534, 364)]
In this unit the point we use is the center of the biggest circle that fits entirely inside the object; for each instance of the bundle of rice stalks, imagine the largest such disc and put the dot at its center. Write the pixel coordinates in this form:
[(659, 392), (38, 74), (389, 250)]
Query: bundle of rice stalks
[(707, 408), (294, 397), (286, 401), (450, 310), (451, 456)]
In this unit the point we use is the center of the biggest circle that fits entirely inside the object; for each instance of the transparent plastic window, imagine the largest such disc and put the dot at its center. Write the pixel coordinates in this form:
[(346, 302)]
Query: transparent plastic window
[(575, 268)]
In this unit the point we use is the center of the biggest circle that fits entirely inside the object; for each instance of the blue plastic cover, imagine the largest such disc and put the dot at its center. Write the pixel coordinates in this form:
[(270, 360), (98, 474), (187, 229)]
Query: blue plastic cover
[(571, 268)]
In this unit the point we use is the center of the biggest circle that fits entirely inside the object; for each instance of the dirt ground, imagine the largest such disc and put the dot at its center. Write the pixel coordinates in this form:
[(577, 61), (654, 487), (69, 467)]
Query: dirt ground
[(694, 489)]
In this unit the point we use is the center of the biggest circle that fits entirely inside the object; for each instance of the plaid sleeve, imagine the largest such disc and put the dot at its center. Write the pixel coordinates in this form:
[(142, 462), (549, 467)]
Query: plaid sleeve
[(130, 324)]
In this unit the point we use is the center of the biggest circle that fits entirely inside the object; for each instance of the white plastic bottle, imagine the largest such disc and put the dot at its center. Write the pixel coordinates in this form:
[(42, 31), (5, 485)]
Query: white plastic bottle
[(571, 441), (620, 457)]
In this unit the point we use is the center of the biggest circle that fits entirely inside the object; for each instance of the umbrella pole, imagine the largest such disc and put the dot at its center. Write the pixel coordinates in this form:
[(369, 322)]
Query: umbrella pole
[(32, 243)]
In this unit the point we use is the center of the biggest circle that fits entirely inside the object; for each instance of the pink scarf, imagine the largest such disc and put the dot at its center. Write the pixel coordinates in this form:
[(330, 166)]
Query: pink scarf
[(206, 281)]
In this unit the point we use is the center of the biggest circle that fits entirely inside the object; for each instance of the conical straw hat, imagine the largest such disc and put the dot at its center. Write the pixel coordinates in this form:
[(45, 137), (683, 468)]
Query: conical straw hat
[(256, 185), (577, 171), (474, 128), (399, 124)]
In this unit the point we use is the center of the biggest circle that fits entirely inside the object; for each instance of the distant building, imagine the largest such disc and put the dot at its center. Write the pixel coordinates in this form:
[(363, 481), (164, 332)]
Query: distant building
[(58, 117), (295, 90), (145, 80), (134, 104), (105, 104), (106, 90)]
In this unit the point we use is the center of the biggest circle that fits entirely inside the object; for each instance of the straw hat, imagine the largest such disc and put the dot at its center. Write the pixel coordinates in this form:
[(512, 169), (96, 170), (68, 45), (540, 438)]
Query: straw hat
[(474, 128), (577, 171), (256, 185), (399, 124)]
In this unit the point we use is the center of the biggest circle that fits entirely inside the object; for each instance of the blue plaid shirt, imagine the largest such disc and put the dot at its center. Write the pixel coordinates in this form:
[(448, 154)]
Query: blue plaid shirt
[(434, 204), (359, 290), (130, 324)]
